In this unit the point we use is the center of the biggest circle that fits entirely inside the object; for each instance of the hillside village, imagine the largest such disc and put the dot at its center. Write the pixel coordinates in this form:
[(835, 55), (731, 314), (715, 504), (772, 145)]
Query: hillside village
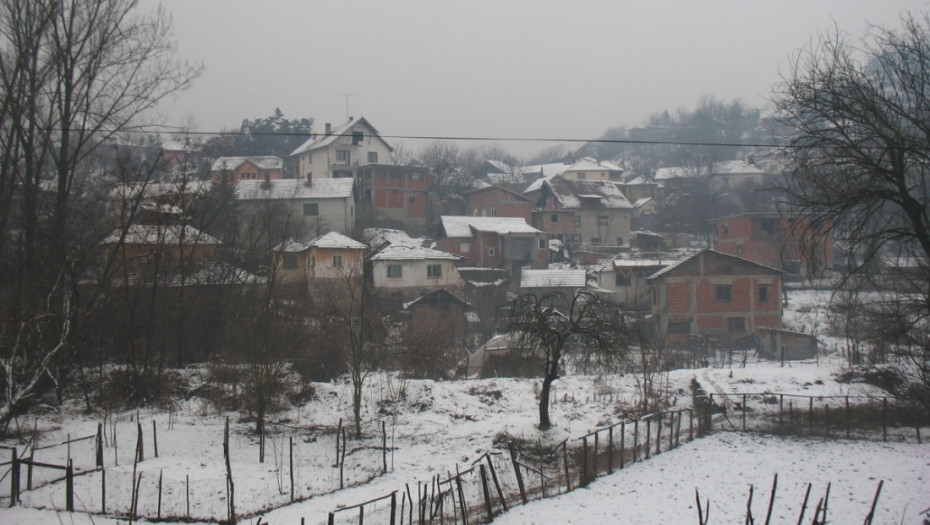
[(336, 231)]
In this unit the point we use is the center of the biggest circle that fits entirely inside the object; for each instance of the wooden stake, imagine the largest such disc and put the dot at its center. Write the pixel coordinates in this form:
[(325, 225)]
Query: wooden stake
[(154, 438), (804, 504), (871, 515), (768, 515)]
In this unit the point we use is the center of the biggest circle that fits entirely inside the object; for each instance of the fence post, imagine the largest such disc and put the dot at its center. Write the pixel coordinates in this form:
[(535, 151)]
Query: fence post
[(32, 457), (610, 450), (781, 411), (744, 412), (14, 479), (671, 431), (847, 417), (394, 507), (154, 438), (462, 505), (791, 417), (810, 413), (103, 490), (596, 447), (99, 445), (516, 469), (141, 449), (69, 487), (635, 439), (690, 424), (648, 434), (568, 479), (622, 441), (584, 463), (497, 485), (332, 517), (384, 447), (160, 475), (290, 469), (826, 419), (659, 434), (884, 419), (487, 493)]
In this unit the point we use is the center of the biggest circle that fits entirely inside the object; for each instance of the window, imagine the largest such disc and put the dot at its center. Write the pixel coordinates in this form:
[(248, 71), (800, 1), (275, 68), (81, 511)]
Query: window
[(622, 280), (372, 157), (577, 221), (290, 261), (554, 218), (434, 271), (767, 225), (724, 292), (394, 271), (342, 156), (724, 228), (492, 212), (679, 327), (492, 252), (736, 324), (763, 293), (582, 176), (602, 221), (595, 240), (739, 250), (311, 209), (412, 199), (464, 247), (337, 261), (619, 241), (542, 244), (575, 238), (357, 137)]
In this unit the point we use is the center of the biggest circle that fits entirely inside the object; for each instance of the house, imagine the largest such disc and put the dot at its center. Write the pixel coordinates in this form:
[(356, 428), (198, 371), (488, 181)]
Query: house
[(401, 273), (497, 358), (228, 171), (303, 208), (640, 188), (799, 244), (732, 174), (393, 194), (142, 247), (627, 278), (334, 256), (786, 345), (498, 201), (716, 294), (507, 242), (439, 308), (584, 212), (543, 282), (589, 168), (291, 262), (338, 150)]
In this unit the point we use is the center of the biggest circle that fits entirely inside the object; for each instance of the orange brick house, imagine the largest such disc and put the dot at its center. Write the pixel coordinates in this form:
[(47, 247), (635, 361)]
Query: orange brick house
[(498, 201), (230, 170), (798, 244), (715, 293)]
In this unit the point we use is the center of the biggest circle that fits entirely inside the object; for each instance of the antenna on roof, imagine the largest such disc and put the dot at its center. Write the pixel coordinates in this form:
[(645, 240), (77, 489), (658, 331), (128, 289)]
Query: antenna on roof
[(347, 95)]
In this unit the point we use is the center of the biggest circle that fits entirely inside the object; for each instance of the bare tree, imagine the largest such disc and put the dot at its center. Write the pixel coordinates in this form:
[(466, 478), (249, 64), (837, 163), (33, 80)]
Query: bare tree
[(859, 152), (74, 74), (549, 327)]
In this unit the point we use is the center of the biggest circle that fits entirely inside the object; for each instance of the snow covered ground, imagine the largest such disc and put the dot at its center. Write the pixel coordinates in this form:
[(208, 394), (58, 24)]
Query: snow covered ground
[(435, 427)]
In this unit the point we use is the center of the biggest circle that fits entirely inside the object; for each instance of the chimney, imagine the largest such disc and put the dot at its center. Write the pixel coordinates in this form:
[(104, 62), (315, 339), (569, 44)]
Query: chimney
[(329, 129), (309, 179), (267, 183)]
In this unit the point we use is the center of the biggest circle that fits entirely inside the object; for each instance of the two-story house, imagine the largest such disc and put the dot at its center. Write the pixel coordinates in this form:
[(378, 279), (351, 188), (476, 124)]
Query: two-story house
[(393, 194), (713, 293), (627, 278), (401, 273), (228, 171), (339, 150), (507, 242), (305, 208), (584, 212), (797, 244)]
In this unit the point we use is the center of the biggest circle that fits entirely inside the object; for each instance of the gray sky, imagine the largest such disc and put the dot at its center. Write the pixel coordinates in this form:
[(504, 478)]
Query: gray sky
[(504, 68)]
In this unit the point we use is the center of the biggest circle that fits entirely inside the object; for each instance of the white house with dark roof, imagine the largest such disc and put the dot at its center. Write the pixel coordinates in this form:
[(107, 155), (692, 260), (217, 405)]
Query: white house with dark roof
[(312, 206), (405, 272), (336, 152)]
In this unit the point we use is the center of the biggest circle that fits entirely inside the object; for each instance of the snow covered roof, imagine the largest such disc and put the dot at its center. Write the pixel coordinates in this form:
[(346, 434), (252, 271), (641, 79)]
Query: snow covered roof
[(480, 276), (592, 164), (457, 226), (674, 172), (204, 274), (317, 141), (588, 193), (639, 180), (732, 167), (267, 162), (377, 236), (500, 166), (167, 235), (290, 246), (641, 202), (412, 253), (159, 189), (336, 240), (295, 189), (675, 265), (553, 279)]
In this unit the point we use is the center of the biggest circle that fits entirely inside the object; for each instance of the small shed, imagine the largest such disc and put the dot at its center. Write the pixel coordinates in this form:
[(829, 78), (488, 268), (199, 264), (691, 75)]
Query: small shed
[(781, 344)]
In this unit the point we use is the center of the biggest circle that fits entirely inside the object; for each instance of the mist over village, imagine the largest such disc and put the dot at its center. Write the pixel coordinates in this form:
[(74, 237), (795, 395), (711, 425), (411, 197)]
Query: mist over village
[(392, 269)]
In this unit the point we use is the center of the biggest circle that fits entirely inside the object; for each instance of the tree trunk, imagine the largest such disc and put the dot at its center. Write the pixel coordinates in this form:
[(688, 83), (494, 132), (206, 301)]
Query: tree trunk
[(544, 422)]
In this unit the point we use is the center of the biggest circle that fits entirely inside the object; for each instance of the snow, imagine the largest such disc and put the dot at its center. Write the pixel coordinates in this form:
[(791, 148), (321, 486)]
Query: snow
[(436, 427)]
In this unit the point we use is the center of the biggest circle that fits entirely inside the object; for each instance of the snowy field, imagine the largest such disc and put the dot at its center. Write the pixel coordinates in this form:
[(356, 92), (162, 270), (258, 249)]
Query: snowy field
[(436, 427)]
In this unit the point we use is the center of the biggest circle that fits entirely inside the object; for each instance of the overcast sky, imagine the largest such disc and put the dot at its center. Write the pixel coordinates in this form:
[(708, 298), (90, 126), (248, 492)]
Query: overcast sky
[(501, 68)]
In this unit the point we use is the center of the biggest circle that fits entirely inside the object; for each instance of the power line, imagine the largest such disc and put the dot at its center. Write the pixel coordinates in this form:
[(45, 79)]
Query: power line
[(456, 138)]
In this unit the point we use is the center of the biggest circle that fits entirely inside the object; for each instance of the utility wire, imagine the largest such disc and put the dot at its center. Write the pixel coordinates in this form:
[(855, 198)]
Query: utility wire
[(455, 138)]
